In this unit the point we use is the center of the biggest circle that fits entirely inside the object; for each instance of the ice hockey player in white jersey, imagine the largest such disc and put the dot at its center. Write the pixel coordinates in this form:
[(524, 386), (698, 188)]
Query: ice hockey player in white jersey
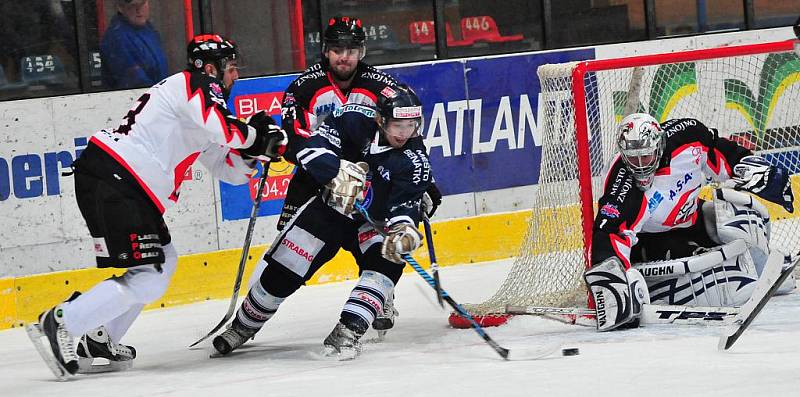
[(124, 181), (654, 239)]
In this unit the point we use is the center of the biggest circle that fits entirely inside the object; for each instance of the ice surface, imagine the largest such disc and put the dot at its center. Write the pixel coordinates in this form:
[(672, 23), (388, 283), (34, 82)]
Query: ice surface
[(422, 356)]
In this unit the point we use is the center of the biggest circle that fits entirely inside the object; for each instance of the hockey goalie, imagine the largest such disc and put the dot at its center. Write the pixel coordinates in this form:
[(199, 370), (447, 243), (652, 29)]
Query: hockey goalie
[(656, 241)]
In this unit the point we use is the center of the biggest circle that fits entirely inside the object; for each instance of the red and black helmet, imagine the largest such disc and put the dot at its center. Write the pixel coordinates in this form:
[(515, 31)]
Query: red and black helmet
[(344, 31), (211, 48)]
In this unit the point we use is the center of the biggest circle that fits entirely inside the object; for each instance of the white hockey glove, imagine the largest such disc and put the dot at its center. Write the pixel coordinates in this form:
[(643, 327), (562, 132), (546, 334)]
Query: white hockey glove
[(757, 176), (347, 186), (618, 294), (403, 238), (271, 140)]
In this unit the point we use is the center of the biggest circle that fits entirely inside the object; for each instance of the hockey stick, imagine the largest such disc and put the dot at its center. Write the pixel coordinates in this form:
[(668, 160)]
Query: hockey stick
[(245, 250), (651, 314), (503, 352), (432, 254), (771, 279)]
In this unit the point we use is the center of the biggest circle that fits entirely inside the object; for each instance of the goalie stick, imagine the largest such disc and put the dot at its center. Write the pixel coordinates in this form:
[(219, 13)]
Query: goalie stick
[(769, 282), (651, 314), (245, 250), (503, 352)]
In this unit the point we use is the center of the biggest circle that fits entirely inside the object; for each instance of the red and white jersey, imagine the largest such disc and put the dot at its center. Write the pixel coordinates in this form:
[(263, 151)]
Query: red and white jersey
[(693, 157), (182, 119)]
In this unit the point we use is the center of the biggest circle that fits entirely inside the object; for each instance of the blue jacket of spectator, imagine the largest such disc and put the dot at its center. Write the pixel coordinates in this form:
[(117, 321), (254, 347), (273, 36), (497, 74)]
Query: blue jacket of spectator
[(132, 56)]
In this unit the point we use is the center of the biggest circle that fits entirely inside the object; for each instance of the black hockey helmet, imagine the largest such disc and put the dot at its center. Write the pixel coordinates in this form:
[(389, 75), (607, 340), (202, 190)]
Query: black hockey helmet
[(211, 48), (344, 31), (400, 102)]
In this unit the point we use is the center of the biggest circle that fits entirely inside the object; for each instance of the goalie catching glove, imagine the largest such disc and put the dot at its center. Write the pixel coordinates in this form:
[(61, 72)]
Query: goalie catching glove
[(757, 176), (402, 238), (270, 142), (347, 186)]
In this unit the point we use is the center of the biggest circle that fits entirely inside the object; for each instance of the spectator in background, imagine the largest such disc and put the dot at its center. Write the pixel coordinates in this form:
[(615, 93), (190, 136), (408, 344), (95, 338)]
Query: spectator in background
[(131, 48)]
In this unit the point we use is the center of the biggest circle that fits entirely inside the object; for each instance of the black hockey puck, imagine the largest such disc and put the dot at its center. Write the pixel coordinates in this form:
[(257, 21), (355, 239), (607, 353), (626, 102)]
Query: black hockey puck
[(573, 351)]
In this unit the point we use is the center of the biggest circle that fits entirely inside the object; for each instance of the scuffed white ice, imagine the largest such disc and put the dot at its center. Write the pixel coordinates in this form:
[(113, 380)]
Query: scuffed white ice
[(422, 356)]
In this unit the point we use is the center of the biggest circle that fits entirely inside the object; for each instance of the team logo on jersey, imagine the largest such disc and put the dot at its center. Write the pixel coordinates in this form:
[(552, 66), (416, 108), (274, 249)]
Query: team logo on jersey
[(216, 90), (654, 201), (610, 211), (679, 185), (388, 92)]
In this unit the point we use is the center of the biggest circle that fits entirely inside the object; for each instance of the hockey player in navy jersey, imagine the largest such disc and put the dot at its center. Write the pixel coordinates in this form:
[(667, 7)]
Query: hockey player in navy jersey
[(650, 217), (361, 154), (341, 77), (124, 181)]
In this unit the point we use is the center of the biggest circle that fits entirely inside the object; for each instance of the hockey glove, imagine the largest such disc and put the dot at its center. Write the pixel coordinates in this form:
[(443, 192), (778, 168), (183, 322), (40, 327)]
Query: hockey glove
[(757, 176), (402, 238), (431, 200), (347, 186), (270, 142)]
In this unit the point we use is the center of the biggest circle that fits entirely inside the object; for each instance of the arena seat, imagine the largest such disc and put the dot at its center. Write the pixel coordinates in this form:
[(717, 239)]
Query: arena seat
[(484, 28), (424, 32)]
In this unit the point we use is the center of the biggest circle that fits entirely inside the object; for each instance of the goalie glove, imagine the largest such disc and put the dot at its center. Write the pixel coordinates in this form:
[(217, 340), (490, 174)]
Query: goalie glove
[(757, 176), (347, 186), (402, 238), (270, 142)]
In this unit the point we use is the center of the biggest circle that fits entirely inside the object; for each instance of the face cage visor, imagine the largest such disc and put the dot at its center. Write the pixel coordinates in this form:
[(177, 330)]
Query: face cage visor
[(642, 162)]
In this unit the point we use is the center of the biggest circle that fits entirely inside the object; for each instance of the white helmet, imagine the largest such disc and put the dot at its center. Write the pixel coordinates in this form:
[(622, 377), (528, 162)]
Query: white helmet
[(641, 142)]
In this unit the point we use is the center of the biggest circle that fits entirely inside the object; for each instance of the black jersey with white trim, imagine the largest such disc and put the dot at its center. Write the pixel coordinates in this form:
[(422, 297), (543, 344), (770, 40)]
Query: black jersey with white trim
[(694, 156), (182, 119), (398, 176), (314, 95)]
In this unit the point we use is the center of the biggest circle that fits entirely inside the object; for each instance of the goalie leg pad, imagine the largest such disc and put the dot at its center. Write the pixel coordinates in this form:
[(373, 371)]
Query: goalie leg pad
[(739, 216), (614, 292)]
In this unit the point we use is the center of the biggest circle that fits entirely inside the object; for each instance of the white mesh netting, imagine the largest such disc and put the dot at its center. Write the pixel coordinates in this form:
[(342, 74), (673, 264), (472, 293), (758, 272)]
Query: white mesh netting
[(752, 99)]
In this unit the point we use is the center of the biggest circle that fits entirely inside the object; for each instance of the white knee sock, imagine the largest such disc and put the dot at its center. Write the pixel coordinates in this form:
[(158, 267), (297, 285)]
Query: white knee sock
[(117, 302)]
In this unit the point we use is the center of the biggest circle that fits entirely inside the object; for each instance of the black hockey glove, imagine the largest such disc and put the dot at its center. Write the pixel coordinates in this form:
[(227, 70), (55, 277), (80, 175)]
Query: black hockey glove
[(431, 200), (270, 142), (757, 176)]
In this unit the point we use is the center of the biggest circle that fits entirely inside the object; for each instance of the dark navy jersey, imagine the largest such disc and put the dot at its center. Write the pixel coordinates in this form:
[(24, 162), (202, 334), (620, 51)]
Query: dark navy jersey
[(313, 96), (694, 155), (398, 177)]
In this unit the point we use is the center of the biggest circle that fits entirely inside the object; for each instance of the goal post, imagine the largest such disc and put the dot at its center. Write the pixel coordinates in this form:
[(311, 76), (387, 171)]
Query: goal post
[(749, 93)]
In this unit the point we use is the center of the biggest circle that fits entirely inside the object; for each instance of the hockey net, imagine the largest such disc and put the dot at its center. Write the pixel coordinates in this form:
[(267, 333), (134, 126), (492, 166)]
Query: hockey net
[(749, 93)]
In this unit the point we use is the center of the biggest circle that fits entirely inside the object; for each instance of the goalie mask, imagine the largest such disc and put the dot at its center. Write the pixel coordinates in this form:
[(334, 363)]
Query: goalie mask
[(400, 113), (641, 142)]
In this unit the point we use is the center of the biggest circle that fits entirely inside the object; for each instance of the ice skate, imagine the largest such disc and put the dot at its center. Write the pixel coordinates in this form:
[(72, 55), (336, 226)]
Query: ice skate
[(59, 352), (98, 353), (233, 337), (385, 319), (343, 343)]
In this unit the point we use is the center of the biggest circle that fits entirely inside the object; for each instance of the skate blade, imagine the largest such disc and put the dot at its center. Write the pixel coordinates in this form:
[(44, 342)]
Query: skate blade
[(100, 365), (379, 338), (340, 355), (36, 335)]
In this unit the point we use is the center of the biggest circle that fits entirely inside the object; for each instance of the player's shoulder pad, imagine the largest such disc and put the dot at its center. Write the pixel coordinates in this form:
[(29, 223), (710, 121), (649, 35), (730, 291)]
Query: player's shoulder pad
[(209, 85), (619, 181), (687, 130), (372, 76), (417, 163), (314, 72)]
